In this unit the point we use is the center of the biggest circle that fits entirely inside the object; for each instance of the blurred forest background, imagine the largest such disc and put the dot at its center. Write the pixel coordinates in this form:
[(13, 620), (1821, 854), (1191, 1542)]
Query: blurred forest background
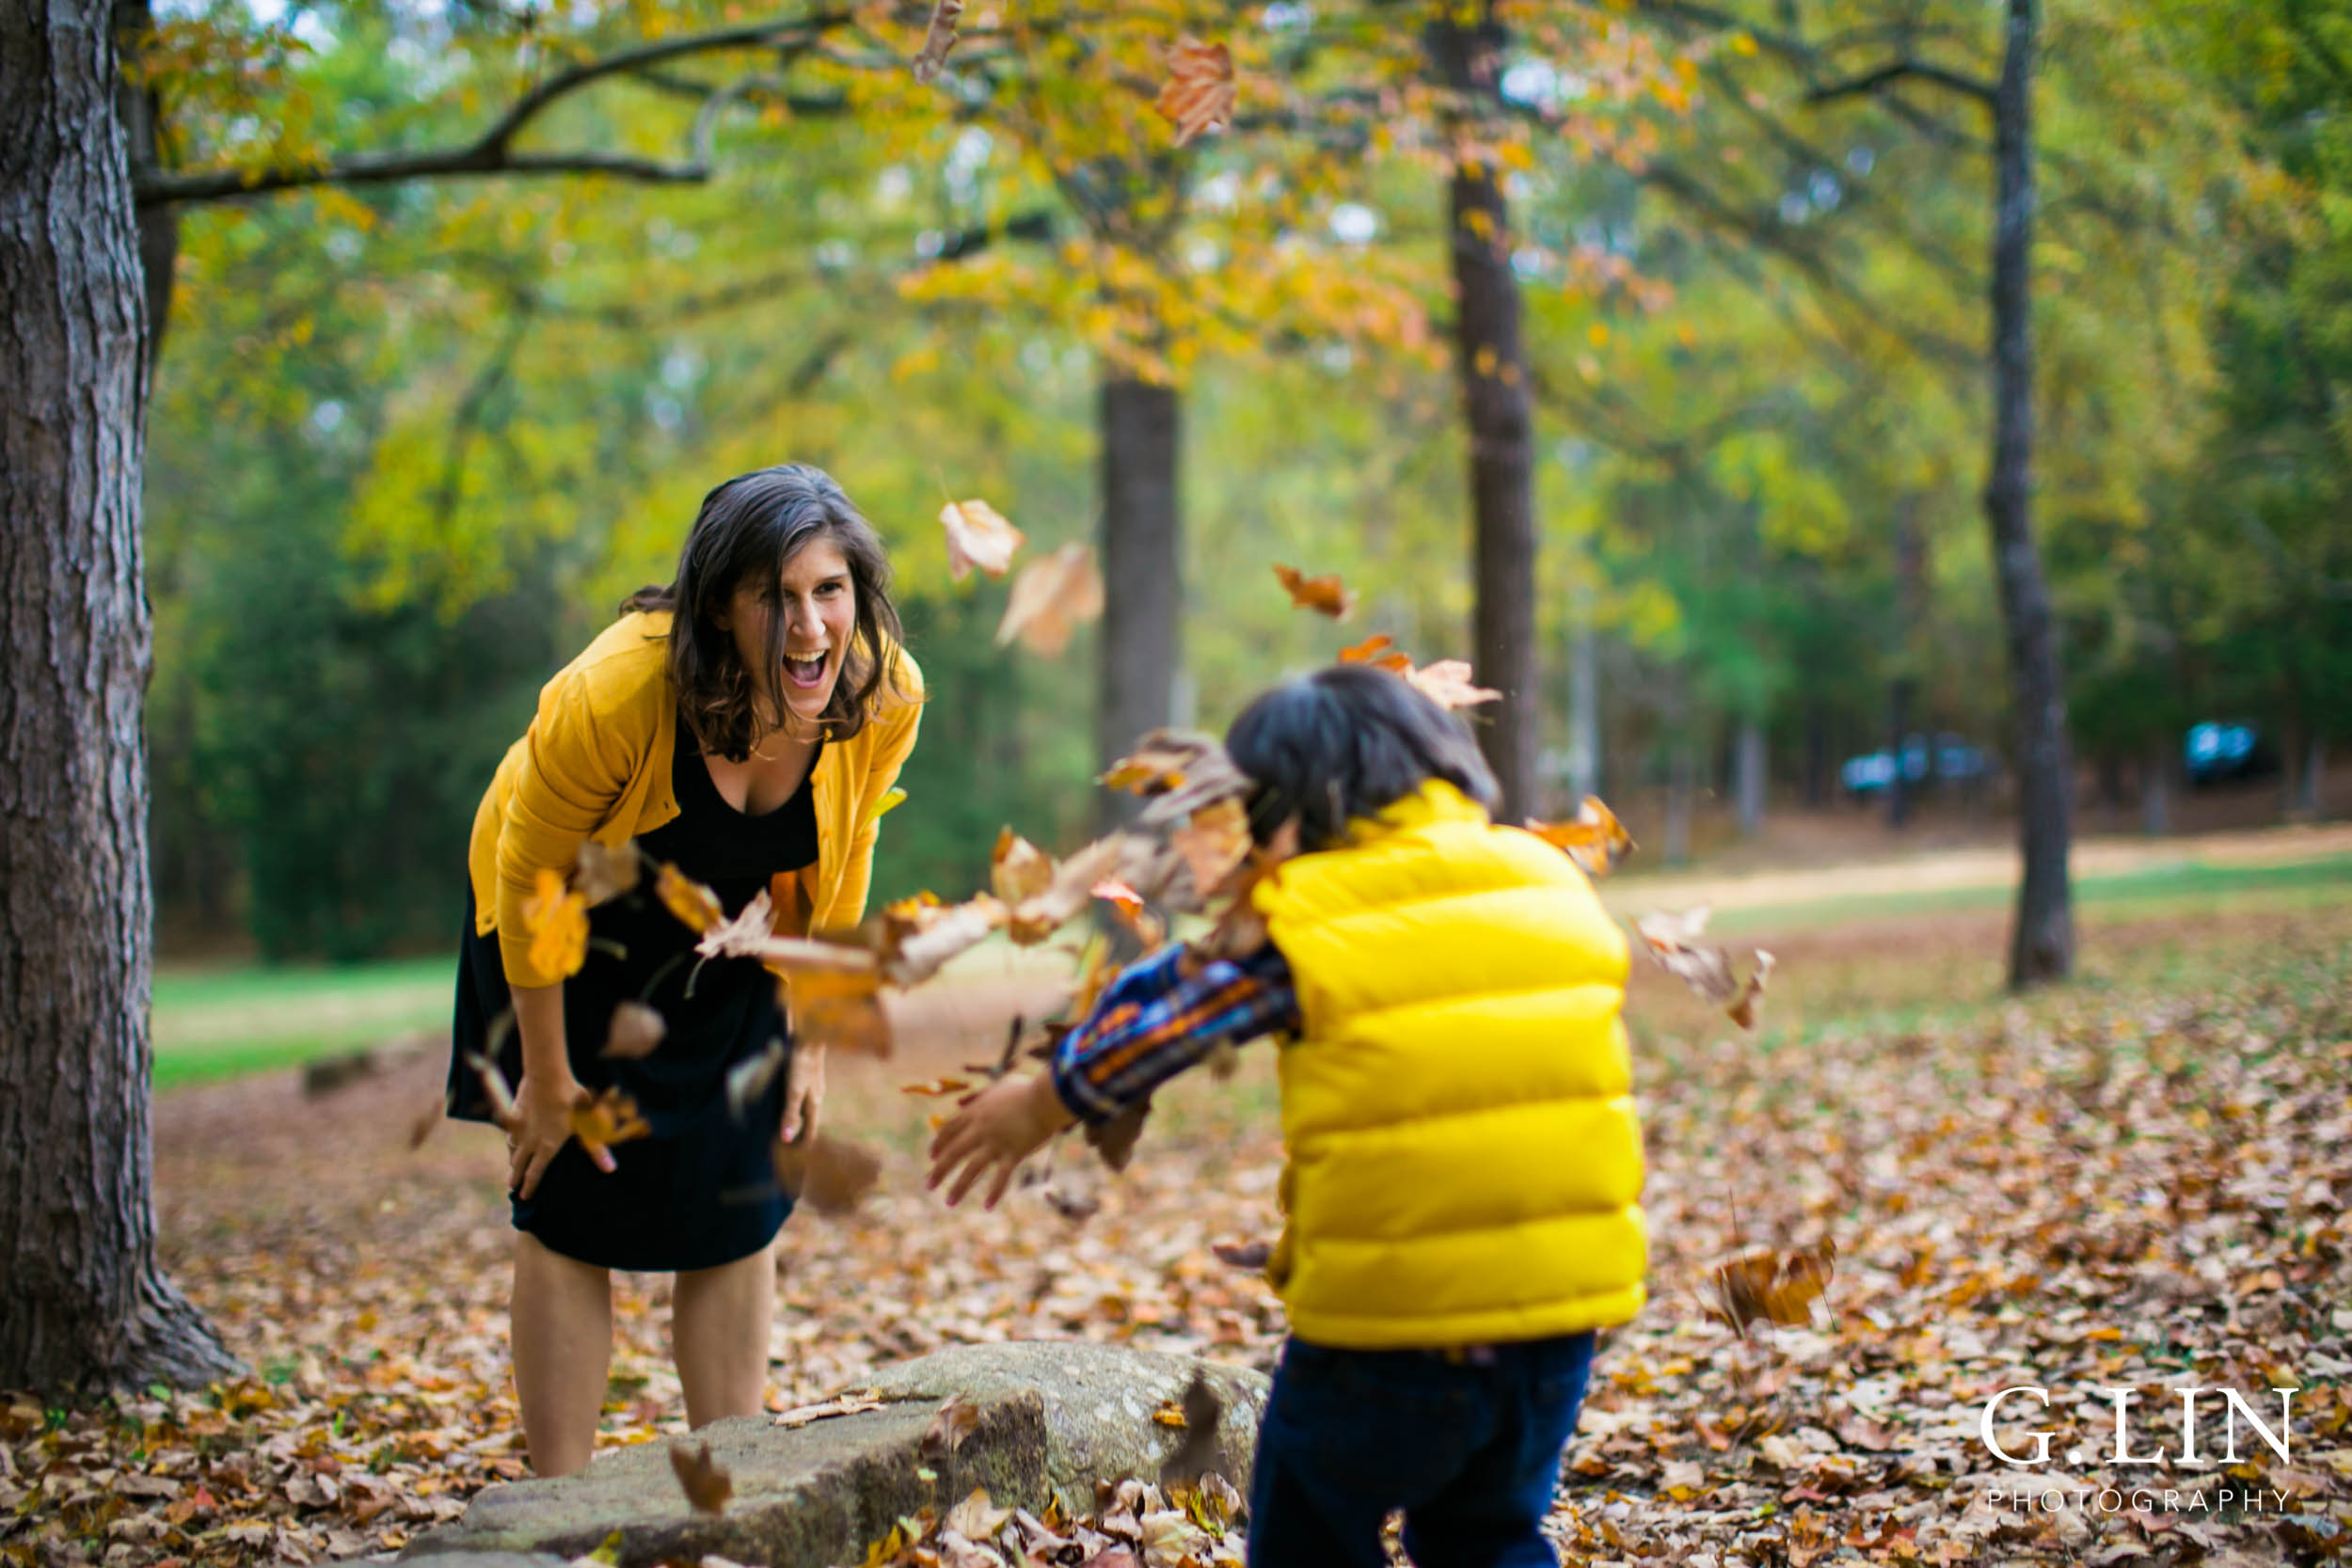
[(412, 439)]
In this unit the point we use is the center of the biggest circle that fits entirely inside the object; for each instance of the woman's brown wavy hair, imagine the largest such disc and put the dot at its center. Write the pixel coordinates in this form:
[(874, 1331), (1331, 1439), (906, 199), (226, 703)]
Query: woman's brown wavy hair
[(749, 528)]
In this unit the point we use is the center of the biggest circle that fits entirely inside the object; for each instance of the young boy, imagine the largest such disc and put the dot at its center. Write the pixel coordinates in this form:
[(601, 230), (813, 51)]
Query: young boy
[(1464, 1159)]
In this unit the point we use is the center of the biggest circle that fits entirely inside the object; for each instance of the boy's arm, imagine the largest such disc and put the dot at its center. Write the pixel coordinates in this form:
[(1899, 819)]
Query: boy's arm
[(1153, 1022), (1164, 1015)]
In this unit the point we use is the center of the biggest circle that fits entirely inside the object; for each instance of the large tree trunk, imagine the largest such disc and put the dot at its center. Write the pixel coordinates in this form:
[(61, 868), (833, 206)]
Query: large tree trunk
[(140, 109), (1143, 591), (83, 1301), (1493, 368), (1751, 775), (2041, 945)]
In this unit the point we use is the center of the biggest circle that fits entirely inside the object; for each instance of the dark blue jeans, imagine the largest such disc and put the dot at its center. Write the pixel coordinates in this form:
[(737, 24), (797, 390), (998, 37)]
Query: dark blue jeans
[(1468, 1446)]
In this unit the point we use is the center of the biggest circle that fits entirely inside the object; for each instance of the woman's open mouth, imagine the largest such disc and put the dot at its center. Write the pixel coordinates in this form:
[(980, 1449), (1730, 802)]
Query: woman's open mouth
[(807, 674)]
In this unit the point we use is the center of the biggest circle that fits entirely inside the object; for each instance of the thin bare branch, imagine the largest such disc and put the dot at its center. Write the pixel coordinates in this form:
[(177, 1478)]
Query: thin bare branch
[(1871, 83)]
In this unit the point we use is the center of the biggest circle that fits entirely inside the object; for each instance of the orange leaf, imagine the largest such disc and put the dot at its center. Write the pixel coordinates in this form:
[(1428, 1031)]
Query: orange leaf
[(1017, 869), (977, 535), (1379, 649), (706, 1481), (1595, 839), (694, 905), (609, 1119), (937, 1087), (1764, 1287), (1212, 842), (1324, 596), (1049, 598), (838, 1007), (557, 920), (829, 1174), (1128, 905), (1447, 683), (1200, 90)]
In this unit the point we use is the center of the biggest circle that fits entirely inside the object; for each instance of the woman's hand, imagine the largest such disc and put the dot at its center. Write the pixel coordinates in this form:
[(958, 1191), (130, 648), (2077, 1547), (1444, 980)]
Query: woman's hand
[(803, 1091), (998, 1128), (544, 1104)]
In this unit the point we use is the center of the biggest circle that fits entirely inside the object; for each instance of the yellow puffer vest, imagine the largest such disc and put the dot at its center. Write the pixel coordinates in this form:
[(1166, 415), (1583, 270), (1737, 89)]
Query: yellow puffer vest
[(1465, 1160)]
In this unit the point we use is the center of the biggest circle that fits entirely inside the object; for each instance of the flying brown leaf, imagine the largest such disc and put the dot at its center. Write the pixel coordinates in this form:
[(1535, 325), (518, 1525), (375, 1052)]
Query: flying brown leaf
[(1214, 841), (937, 1087), (1017, 869), (1745, 1005), (743, 935), (429, 1116), (1132, 912), (1767, 1287), (916, 943), (1595, 839), (1049, 598), (1198, 1416), (697, 907), (838, 1007), (1200, 90), (602, 873), (1380, 650), (1208, 776), (1115, 1140), (748, 1079), (494, 1089), (705, 1480), (1324, 596), (978, 535), (1157, 765), (1071, 888), (636, 1030), (1447, 683), (1253, 1255), (937, 38), (607, 1119), (829, 1174)]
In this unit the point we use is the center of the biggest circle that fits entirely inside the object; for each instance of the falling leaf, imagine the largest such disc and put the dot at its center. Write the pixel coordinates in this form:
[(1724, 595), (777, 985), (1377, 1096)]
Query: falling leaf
[(494, 1089), (1128, 905), (1070, 887), (705, 1480), (977, 1518), (1213, 843), (977, 535), (429, 1117), (956, 1420), (1447, 683), (891, 801), (1767, 1287), (1207, 776), (557, 920), (838, 1007), (1200, 90), (1095, 972), (916, 940), (1115, 1140), (1324, 596), (1049, 598), (603, 872), (1017, 869), (608, 1117), (829, 1174), (744, 937), (1378, 650), (695, 905), (937, 38), (1157, 765), (1253, 1255), (1199, 1415), (747, 1080), (1744, 1007), (1595, 839), (636, 1030), (936, 1086)]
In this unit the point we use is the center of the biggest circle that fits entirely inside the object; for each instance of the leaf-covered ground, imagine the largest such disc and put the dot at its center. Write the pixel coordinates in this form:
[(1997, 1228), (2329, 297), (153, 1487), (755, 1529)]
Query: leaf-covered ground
[(2137, 1182)]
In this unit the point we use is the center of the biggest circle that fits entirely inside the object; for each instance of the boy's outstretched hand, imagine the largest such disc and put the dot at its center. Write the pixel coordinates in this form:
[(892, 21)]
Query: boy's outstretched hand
[(998, 1128)]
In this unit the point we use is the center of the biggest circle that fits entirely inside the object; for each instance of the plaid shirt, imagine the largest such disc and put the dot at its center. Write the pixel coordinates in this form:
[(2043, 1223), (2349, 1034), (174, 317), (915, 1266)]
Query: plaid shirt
[(1153, 1022)]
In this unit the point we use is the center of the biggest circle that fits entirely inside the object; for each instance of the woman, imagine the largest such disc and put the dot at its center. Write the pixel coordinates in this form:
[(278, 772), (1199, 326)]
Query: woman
[(744, 723)]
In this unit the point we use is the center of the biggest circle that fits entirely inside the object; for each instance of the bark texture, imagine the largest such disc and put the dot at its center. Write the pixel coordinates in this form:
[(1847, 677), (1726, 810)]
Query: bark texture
[(1492, 363), (1142, 582), (83, 1301), (2041, 943)]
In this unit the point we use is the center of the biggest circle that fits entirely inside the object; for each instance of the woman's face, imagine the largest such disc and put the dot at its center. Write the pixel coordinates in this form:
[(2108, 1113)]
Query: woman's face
[(818, 601)]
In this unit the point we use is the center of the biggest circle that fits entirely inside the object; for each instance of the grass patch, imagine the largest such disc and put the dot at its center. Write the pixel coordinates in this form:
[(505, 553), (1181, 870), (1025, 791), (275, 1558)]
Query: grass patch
[(215, 1023)]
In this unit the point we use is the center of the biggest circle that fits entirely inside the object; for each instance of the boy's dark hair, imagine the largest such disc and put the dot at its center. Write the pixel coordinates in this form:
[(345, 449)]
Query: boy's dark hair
[(752, 525), (1346, 742)]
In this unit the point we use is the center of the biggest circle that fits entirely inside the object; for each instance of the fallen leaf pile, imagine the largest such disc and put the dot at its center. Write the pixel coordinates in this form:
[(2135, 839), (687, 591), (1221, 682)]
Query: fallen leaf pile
[(2130, 1186)]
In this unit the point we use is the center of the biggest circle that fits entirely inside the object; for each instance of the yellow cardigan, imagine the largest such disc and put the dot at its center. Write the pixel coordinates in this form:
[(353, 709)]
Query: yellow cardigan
[(596, 764)]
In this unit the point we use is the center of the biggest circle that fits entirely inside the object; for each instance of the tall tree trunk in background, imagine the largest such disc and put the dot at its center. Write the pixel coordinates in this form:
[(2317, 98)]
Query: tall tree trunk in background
[(1493, 367), (2311, 786), (2155, 785), (2042, 945), (140, 110), (1584, 699), (1816, 753), (1751, 768), (83, 1301), (1897, 726), (1911, 650), (1681, 768), (1143, 592)]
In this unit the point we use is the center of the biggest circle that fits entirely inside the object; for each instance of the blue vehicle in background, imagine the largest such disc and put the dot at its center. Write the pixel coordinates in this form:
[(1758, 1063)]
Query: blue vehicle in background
[(1955, 760), (2217, 750)]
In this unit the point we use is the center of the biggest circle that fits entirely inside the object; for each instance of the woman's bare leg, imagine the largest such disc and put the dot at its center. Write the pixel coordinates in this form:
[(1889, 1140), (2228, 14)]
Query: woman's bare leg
[(562, 1314), (719, 1320)]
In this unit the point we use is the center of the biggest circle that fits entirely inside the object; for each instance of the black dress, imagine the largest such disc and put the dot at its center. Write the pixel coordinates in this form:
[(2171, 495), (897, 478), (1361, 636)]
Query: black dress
[(700, 1190)]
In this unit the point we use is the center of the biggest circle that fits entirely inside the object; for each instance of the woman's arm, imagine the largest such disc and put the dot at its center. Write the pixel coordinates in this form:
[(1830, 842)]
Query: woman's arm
[(545, 1099)]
